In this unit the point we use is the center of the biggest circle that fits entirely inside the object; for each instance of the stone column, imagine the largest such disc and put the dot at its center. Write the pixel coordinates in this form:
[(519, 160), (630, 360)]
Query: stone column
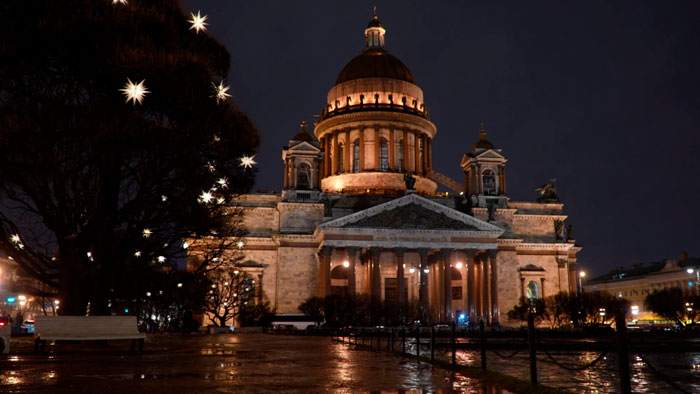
[(362, 149), (429, 153), (400, 288), (392, 148), (522, 288), (423, 284), (424, 164), (542, 288), (351, 253), (416, 148), (286, 174), (347, 152), (377, 165), (404, 165), (447, 284), (259, 290), (494, 286), (471, 304), (324, 271), (486, 308), (334, 158), (375, 275)]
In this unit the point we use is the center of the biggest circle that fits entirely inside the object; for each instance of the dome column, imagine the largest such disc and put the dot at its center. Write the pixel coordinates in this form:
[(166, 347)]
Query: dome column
[(334, 156), (429, 152), (376, 148), (404, 165), (416, 154), (392, 148), (347, 150), (362, 149), (286, 174)]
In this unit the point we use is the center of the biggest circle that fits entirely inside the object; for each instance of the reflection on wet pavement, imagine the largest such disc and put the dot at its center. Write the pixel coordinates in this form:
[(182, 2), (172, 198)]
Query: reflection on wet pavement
[(250, 363)]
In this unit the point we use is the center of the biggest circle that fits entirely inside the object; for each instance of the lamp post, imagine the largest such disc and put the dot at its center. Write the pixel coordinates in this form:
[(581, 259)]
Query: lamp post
[(697, 277), (581, 275)]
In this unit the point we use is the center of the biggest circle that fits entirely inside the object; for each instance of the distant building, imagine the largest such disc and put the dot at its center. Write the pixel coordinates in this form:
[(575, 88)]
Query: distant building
[(360, 212), (638, 281)]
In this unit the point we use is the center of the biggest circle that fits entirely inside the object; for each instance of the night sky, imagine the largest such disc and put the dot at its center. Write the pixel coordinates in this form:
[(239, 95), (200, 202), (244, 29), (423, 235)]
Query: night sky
[(602, 95)]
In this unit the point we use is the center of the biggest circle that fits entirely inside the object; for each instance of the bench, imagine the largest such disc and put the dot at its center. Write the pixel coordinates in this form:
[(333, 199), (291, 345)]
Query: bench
[(85, 328)]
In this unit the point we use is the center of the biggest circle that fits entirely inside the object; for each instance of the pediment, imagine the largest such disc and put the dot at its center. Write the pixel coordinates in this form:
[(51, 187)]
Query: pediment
[(304, 147), (490, 154), (413, 212)]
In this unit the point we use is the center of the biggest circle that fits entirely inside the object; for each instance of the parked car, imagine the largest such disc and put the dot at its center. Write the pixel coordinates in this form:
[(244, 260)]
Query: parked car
[(28, 326)]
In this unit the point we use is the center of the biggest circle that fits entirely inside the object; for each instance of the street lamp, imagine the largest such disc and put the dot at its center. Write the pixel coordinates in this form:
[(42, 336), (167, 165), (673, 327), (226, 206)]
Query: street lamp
[(581, 275)]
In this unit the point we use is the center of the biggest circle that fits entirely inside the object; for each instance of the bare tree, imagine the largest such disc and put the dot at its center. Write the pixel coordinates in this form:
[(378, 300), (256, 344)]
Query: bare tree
[(95, 192), (231, 290)]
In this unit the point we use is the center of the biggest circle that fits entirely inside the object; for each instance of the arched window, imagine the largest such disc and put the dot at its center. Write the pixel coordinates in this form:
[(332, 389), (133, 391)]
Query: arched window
[(488, 180), (356, 156), (383, 155), (341, 155), (533, 290), (303, 177), (400, 155)]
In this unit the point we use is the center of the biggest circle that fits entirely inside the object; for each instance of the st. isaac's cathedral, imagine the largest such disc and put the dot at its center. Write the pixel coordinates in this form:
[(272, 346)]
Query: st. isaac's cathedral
[(360, 213)]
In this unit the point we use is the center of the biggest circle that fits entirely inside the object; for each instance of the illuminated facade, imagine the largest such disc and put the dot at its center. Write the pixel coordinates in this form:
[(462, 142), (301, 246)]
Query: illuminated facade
[(359, 210)]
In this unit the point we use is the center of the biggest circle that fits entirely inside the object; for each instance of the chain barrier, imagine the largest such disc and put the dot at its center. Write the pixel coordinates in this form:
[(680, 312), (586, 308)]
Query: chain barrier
[(574, 368), (659, 374), (522, 346)]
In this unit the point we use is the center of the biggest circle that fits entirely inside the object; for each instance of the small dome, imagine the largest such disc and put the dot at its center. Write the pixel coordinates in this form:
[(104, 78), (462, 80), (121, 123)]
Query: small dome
[(483, 143), (303, 134), (375, 63), (375, 23)]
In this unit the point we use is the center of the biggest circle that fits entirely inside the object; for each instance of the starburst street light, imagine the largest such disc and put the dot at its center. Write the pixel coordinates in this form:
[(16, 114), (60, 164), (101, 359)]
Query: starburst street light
[(134, 91), (198, 22), (240, 244), (221, 91), (15, 238), (247, 161), (147, 232)]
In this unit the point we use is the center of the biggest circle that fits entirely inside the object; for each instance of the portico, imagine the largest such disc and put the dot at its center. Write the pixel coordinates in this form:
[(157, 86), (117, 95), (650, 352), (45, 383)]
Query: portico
[(399, 251)]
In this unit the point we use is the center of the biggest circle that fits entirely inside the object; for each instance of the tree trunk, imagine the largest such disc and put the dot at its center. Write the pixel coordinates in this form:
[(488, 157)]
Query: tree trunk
[(72, 280)]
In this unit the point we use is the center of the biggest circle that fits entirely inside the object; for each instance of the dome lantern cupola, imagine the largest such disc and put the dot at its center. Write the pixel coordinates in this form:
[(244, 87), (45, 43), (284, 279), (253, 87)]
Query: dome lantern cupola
[(374, 34)]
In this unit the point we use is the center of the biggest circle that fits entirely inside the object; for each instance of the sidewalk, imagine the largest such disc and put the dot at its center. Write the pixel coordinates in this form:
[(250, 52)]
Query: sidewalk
[(249, 363)]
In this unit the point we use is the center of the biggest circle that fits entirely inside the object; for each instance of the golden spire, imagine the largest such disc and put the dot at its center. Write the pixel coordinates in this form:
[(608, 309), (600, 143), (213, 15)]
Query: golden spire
[(482, 134), (303, 126)]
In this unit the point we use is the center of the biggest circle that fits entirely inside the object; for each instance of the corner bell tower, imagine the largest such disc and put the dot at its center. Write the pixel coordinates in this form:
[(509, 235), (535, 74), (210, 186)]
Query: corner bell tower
[(302, 161), (485, 174)]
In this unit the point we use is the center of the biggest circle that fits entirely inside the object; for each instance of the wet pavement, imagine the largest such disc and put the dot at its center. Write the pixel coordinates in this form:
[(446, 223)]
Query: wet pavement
[(247, 363)]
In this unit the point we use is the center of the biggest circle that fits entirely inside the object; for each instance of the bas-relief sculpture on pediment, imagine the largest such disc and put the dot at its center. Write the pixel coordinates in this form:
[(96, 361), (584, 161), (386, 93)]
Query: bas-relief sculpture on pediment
[(411, 216)]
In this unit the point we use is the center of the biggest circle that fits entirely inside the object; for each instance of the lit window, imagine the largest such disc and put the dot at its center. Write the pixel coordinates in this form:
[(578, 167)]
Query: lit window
[(533, 290)]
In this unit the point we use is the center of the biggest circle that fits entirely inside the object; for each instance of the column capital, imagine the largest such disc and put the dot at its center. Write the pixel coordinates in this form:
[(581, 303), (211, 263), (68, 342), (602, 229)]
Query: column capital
[(376, 251), (468, 253), (352, 250), (399, 251), (423, 253), (446, 252), (492, 253), (325, 251)]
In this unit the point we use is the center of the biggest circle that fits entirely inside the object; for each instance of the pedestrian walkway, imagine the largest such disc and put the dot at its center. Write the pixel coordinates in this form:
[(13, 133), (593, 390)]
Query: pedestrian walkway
[(246, 363)]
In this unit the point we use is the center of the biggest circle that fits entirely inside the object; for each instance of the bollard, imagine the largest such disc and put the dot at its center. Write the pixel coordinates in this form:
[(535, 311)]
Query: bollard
[(531, 344), (623, 361), (454, 344), (432, 343), (482, 333), (403, 340), (417, 341)]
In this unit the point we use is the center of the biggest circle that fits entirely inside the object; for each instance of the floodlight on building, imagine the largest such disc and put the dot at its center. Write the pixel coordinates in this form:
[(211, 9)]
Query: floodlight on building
[(690, 270), (426, 270), (179, 285), (458, 265), (635, 310), (346, 264), (412, 270)]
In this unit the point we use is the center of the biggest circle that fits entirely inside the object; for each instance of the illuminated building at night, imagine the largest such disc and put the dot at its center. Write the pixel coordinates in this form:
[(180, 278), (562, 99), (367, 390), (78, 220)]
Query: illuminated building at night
[(360, 208)]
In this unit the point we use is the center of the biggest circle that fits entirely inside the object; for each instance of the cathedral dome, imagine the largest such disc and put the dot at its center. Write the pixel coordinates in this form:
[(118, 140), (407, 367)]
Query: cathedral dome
[(375, 63)]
